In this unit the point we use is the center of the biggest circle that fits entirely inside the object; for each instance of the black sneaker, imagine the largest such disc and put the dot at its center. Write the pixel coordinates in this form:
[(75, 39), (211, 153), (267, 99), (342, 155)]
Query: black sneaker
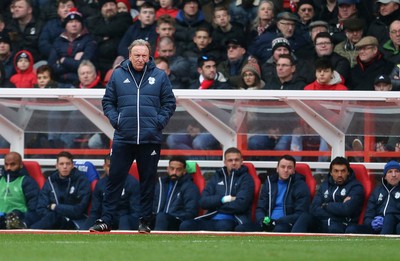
[(100, 226), (143, 227), (13, 221)]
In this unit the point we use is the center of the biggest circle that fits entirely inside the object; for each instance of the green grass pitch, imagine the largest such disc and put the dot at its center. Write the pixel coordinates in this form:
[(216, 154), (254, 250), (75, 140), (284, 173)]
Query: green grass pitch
[(171, 247)]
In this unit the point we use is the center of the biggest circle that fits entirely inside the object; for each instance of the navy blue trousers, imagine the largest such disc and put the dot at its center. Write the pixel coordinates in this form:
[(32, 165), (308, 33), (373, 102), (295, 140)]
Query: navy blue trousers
[(122, 157)]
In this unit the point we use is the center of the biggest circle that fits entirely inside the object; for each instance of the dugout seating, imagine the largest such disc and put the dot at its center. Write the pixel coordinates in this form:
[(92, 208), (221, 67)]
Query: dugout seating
[(35, 172), (305, 170), (257, 186), (366, 180)]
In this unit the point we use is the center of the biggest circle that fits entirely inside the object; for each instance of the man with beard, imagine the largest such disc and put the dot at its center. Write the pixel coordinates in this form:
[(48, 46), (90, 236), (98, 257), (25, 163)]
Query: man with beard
[(176, 198)]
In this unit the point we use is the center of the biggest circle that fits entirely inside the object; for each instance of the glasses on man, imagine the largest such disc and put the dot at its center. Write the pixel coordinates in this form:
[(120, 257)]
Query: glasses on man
[(395, 31), (323, 43), (365, 48), (232, 46), (288, 24)]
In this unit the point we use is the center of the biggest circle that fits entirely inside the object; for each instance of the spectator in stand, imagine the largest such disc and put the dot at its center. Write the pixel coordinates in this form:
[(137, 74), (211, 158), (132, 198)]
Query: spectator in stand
[(391, 48), (6, 56), (45, 78), (176, 198), (70, 48), (264, 21), (108, 27), (281, 46), (327, 78), (225, 29), (88, 76), (25, 76), (25, 28), (383, 211), (285, 75), (388, 11), (324, 48), (337, 204), (202, 45), (189, 18), (54, 27), (306, 13), (261, 48), (128, 209), (353, 29), (163, 64), (19, 194), (251, 77), (314, 28), (209, 77), (167, 8), (227, 197), (125, 6), (346, 9), (179, 66), (370, 64), (143, 28), (283, 198), (237, 58), (64, 198)]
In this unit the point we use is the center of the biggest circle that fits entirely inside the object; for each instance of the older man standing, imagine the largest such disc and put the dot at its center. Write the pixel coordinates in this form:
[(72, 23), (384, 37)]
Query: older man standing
[(138, 103)]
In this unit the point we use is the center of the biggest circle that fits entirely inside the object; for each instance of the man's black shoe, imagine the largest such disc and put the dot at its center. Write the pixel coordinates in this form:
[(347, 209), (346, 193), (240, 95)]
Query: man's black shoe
[(100, 226), (143, 227)]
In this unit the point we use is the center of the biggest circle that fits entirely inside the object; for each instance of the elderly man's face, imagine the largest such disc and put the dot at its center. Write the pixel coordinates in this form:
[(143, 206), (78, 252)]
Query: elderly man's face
[(387, 9), (394, 32), (367, 53), (354, 36), (286, 27), (345, 11)]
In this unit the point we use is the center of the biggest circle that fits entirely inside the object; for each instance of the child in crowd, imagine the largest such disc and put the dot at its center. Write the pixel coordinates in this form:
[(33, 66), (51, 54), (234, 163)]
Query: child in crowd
[(44, 78), (327, 78), (25, 76)]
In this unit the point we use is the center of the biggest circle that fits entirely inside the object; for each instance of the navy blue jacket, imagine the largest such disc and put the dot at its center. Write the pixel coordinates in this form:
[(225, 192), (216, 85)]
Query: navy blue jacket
[(384, 200), (296, 201), (239, 184), (67, 72), (334, 195), (29, 186), (71, 195), (128, 204), (183, 202), (138, 113), (51, 30)]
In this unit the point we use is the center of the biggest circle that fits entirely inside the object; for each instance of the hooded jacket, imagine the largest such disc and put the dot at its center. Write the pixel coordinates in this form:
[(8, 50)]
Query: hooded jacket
[(296, 200), (334, 85), (183, 201), (71, 195), (27, 78), (333, 195), (138, 112), (239, 184), (27, 192), (384, 200)]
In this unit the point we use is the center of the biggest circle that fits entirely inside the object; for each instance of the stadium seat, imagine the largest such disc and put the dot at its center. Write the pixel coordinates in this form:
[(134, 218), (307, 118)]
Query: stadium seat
[(366, 180), (133, 171), (304, 169), (35, 172), (257, 186), (197, 176)]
